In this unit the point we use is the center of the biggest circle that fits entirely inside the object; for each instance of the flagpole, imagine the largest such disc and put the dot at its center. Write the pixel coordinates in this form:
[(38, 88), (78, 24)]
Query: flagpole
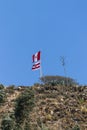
[(41, 74)]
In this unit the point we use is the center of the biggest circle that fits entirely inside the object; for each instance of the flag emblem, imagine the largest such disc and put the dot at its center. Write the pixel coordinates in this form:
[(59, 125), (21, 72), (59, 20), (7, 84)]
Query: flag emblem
[(36, 57), (36, 66)]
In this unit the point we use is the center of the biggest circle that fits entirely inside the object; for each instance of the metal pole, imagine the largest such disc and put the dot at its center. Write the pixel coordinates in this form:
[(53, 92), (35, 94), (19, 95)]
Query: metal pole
[(40, 71), (41, 74), (63, 64)]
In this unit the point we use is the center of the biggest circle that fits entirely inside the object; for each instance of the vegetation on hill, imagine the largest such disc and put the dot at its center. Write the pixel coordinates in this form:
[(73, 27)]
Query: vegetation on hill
[(48, 106), (24, 105), (54, 80)]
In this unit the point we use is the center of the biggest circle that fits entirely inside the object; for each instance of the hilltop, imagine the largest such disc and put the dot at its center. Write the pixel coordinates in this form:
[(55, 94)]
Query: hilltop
[(57, 107)]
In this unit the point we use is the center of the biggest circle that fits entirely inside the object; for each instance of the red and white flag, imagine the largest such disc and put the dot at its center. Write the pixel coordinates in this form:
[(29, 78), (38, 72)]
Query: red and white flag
[(36, 57), (36, 66)]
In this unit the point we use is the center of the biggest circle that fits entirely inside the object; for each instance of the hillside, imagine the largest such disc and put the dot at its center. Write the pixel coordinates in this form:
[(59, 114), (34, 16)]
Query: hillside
[(56, 107)]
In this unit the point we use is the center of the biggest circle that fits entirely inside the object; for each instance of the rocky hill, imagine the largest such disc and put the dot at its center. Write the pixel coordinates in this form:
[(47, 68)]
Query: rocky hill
[(56, 107)]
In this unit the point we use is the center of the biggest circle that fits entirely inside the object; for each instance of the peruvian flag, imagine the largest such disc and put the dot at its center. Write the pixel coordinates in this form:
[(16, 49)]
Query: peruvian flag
[(36, 66), (36, 57)]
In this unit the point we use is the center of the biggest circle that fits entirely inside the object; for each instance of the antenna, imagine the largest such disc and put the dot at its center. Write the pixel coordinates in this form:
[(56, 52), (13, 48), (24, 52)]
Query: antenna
[(62, 59)]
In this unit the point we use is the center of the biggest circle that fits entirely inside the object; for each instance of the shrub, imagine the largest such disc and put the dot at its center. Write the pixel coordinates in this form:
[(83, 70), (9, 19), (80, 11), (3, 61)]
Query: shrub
[(37, 84), (76, 128), (24, 104), (7, 124), (1, 86), (17, 127), (41, 125), (2, 96), (10, 89), (54, 80)]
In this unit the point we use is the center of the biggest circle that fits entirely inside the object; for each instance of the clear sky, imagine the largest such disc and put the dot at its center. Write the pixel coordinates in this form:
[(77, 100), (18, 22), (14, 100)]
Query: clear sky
[(55, 27)]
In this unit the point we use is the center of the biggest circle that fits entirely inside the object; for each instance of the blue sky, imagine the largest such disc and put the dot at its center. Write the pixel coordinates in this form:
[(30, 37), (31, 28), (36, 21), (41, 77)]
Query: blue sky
[(56, 28)]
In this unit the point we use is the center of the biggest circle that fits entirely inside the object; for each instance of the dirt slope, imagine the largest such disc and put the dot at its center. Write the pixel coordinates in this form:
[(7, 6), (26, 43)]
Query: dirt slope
[(57, 107)]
